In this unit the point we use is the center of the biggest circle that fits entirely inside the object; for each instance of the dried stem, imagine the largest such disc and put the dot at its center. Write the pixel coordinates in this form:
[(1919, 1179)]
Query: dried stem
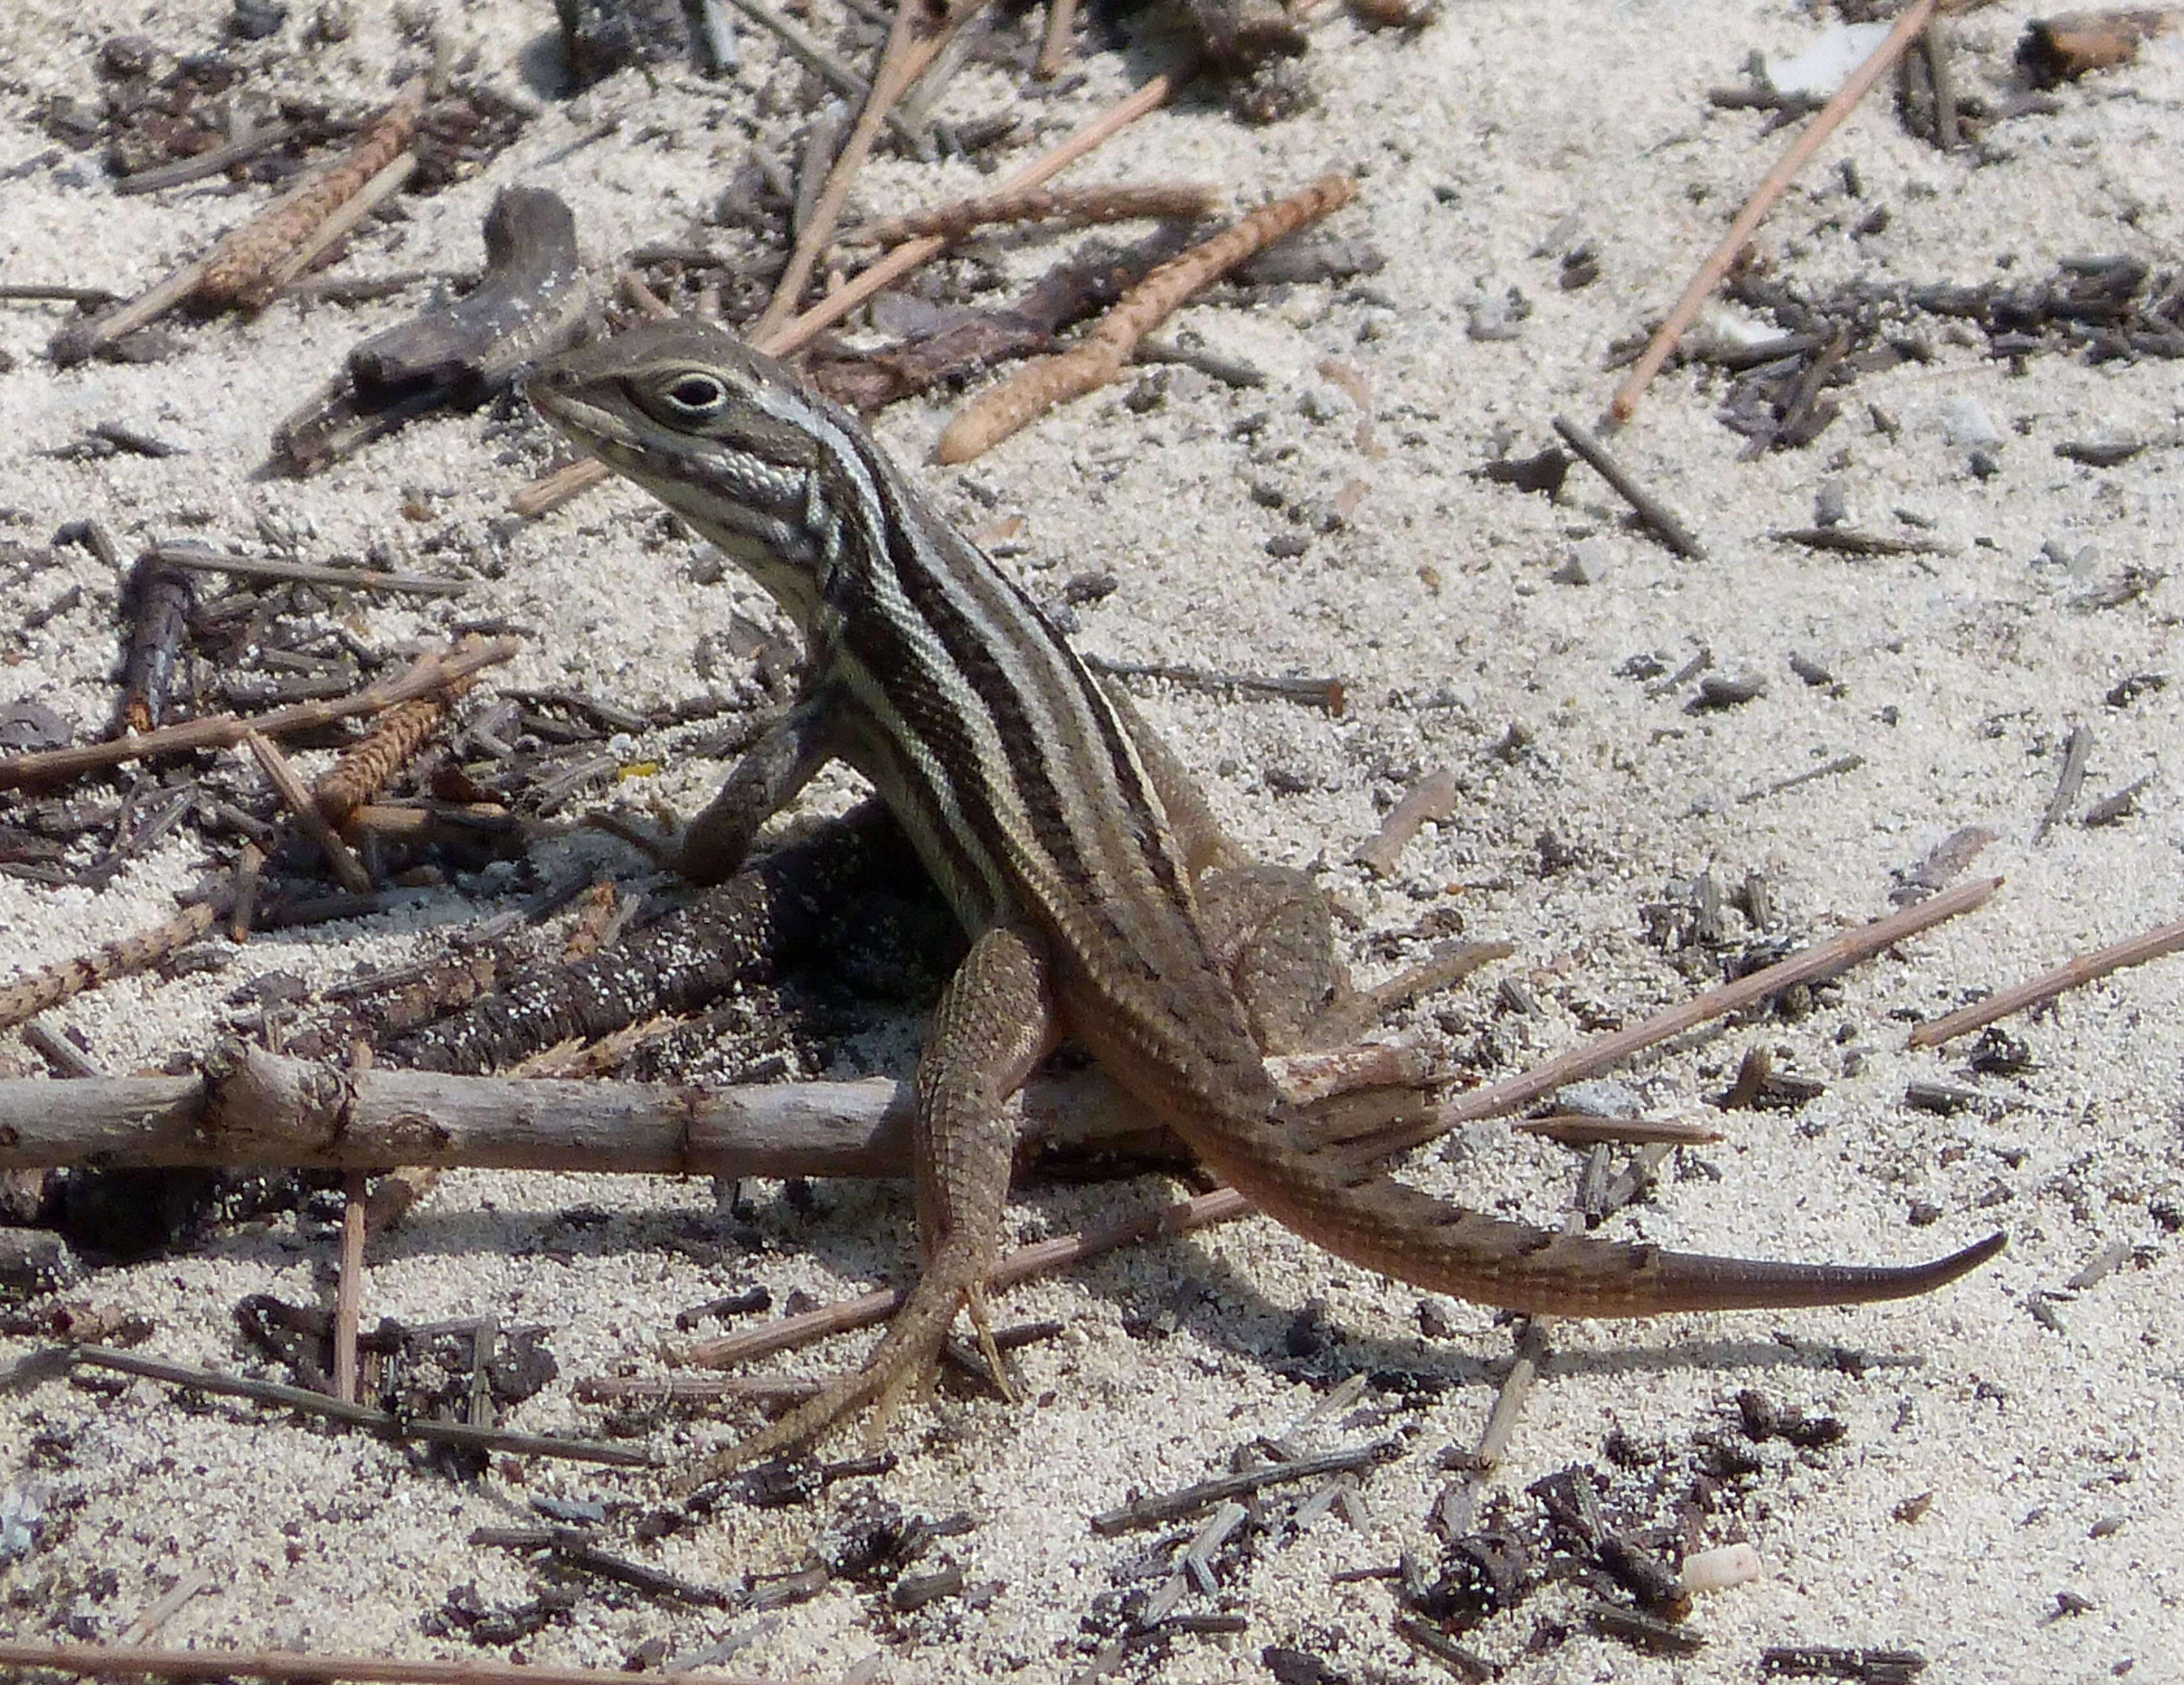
[(552, 490), (1116, 203), (1824, 959), (432, 672), (1830, 119), (1101, 353), (906, 53), (297, 798), (2150, 944), (24, 999), (298, 1665)]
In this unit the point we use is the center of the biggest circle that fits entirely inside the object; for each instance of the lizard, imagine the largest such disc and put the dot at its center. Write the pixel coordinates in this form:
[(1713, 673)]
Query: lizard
[(1100, 893)]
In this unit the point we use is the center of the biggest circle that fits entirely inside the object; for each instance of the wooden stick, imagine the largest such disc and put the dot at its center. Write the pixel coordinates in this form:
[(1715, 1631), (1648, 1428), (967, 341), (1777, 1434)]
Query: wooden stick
[(906, 55), (1176, 1217), (1823, 959), (302, 1665), (430, 673), (551, 490), (254, 1107), (296, 797), (1119, 202), (1097, 358), (356, 1415), (1054, 44), (1830, 118), (2150, 944)]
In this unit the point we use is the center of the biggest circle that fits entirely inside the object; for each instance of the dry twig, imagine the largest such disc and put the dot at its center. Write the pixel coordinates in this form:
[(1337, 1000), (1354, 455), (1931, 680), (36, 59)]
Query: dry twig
[(1101, 353), (252, 263), (1914, 19), (124, 1660), (432, 672), (2150, 944), (1118, 203)]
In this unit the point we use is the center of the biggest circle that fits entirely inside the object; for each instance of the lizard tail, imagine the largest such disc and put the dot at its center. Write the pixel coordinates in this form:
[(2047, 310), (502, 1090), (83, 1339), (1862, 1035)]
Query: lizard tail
[(1367, 1216)]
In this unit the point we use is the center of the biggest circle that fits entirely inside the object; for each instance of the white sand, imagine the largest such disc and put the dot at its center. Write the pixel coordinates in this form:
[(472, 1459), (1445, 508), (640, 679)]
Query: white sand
[(1960, 675)]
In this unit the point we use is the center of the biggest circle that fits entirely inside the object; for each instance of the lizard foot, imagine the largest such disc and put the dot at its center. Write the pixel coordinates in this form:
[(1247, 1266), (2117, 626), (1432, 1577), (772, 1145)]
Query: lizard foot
[(901, 1365)]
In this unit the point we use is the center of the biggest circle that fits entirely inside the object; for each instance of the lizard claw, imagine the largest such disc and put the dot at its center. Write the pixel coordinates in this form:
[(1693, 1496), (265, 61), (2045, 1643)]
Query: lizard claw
[(903, 1362), (659, 839)]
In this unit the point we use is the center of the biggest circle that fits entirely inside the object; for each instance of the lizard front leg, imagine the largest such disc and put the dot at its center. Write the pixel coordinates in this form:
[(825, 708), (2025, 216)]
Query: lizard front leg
[(995, 1023), (712, 847)]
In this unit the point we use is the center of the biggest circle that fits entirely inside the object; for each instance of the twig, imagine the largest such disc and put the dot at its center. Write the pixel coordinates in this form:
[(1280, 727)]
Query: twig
[(1658, 517), (1584, 1129), (2151, 945), (551, 490), (28, 997), (1914, 19), (1054, 44), (1328, 694), (355, 1415), (2077, 748), (1116, 203), (1203, 1211), (251, 263), (1097, 358), (1152, 1511), (906, 55), (299, 1664), (297, 798), (428, 673), (349, 1288), (199, 559), (1432, 797), (259, 140), (1823, 959), (1835, 768), (254, 1107)]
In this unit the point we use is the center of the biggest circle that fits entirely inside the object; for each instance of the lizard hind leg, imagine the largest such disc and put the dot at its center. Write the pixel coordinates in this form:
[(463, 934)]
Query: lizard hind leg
[(901, 1366)]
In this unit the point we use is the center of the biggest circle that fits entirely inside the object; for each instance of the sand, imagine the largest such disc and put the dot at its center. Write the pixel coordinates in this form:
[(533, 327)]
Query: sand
[(2004, 1494)]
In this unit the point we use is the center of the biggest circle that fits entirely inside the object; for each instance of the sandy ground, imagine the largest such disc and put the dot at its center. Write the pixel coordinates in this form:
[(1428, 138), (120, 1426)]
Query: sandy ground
[(2047, 1532)]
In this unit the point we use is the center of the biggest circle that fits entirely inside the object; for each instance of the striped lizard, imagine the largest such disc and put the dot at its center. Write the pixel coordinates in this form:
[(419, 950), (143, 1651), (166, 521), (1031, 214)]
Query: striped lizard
[(1101, 895)]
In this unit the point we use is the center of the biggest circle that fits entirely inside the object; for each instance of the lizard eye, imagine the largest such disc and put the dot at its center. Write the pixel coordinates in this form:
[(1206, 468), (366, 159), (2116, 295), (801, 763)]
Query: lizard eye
[(695, 395)]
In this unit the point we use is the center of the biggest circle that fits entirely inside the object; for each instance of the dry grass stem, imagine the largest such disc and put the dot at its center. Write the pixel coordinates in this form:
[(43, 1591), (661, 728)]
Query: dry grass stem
[(432, 672), (1116, 203), (297, 798), (2151, 945), (906, 55), (1829, 119), (550, 491), (1101, 353)]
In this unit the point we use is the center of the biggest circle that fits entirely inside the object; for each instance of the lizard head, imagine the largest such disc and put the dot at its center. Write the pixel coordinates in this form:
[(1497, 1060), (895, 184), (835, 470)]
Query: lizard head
[(727, 437)]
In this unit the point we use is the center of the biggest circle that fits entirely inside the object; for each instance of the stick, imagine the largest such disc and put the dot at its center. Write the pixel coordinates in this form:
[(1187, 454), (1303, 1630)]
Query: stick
[(1658, 517), (300, 1665), (1830, 118), (1180, 1217), (1097, 358), (2150, 944), (289, 786), (430, 673), (904, 55), (1823, 959), (254, 1107), (552, 490), (356, 1415)]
